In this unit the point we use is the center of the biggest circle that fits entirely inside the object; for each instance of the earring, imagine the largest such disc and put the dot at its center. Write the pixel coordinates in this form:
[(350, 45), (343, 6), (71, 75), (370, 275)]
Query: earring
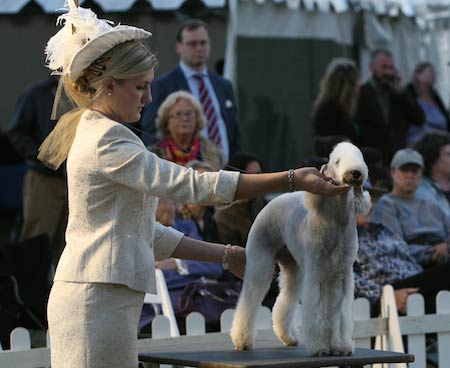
[(109, 94)]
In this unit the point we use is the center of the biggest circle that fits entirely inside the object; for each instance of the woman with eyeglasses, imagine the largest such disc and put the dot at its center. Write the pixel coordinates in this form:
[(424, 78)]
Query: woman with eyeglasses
[(179, 122)]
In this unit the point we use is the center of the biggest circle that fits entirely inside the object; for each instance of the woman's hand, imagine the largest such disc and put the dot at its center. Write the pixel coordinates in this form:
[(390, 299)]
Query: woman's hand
[(401, 298), (236, 261), (311, 180), (439, 252)]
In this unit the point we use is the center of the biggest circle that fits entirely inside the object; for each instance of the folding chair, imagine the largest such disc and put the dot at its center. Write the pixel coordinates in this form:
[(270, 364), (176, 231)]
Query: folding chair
[(163, 298)]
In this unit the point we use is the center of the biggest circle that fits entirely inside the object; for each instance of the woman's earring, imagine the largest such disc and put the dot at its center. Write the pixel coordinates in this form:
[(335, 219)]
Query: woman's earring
[(109, 94)]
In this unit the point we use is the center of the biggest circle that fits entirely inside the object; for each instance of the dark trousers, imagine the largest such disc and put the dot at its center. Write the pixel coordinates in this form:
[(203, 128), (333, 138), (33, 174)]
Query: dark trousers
[(430, 282)]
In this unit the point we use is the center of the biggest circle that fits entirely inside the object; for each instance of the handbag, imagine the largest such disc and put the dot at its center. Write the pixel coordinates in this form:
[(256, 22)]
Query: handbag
[(209, 299)]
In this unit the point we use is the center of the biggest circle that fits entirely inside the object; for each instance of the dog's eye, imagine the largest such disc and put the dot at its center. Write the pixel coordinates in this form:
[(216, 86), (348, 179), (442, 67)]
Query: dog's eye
[(337, 162)]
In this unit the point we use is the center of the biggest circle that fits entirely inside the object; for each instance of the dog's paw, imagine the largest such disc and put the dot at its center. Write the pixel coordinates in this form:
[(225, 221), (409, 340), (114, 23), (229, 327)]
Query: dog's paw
[(342, 348), (322, 351), (317, 347), (288, 337), (241, 340), (242, 345)]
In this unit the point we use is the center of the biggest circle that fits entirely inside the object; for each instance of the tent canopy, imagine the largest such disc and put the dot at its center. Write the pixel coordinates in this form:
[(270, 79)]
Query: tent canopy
[(382, 7)]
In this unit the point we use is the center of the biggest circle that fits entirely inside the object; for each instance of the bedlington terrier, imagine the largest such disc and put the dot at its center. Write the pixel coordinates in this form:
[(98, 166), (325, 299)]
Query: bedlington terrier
[(314, 240)]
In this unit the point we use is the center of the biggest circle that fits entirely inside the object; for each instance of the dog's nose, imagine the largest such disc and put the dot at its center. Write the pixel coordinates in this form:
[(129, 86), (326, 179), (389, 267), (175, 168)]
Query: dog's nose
[(356, 174)]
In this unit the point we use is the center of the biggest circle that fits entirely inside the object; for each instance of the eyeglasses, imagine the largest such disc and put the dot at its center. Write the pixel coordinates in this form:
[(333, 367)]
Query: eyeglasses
[(189, 114), (195, 43)]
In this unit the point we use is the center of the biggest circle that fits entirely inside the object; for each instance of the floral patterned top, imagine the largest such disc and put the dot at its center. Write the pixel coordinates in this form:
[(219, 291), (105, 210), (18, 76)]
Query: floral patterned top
[(383, 258)]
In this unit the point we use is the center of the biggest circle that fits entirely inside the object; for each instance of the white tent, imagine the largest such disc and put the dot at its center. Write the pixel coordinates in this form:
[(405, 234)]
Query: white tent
[(414, 30), (277, 50)]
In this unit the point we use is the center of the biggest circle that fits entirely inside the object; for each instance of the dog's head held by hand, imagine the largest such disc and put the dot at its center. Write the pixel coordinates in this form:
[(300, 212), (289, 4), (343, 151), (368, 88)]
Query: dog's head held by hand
[(346, 165)]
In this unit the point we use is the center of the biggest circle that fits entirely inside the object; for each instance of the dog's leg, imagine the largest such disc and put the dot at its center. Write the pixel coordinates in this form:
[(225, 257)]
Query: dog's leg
[(315, 300), (257, 279), (342, 329), (284, 310)]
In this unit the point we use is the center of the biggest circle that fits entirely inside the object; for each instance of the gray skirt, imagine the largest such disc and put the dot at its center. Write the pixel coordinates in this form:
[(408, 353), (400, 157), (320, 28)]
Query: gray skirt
[(93, 325)]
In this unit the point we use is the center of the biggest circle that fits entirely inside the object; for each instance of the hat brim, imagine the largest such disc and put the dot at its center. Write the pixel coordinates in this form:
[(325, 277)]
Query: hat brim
[(96, 47)]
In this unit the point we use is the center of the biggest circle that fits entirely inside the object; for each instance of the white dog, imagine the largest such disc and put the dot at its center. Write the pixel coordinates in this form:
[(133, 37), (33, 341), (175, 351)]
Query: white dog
[(314, 240)]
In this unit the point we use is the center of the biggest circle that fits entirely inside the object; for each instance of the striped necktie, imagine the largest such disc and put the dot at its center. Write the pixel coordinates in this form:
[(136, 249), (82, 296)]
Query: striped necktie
[(208, 110)]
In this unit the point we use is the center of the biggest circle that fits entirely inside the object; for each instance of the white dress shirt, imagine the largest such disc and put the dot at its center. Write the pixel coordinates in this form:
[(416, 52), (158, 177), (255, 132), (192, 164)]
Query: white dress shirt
[(194, 87)]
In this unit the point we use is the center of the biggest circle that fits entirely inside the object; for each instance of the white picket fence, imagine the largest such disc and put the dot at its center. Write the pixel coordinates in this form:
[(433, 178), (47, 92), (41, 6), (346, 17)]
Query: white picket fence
[(388, 330)]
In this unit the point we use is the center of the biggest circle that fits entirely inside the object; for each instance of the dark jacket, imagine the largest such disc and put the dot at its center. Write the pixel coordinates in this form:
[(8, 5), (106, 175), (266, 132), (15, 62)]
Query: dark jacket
[(31, 123), (388, 136), (329, 119), (175, 81)]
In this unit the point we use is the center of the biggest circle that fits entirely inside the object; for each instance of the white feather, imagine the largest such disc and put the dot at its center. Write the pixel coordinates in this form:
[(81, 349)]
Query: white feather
[(63, 45)]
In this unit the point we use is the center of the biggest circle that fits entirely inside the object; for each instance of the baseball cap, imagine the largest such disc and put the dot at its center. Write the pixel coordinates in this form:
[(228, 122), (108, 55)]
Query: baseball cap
[(406, 156)]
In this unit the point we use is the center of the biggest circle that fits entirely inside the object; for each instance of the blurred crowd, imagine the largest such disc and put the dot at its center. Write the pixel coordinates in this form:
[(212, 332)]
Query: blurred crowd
[(401, 127)]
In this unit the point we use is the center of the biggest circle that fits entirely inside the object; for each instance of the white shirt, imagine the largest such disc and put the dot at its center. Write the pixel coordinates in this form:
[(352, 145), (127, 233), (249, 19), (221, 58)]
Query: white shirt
[(194, 86)]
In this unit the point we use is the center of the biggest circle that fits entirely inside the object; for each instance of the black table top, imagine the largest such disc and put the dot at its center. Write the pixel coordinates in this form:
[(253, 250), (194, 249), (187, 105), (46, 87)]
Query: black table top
[(222, 355)]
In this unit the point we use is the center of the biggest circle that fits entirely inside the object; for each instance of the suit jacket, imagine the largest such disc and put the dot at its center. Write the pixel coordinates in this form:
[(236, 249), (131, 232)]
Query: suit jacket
[(113, 186), (175, 81), (388, 136)]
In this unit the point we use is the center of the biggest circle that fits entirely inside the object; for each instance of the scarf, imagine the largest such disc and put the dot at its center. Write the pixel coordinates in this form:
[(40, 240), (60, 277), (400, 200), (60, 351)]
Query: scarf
[(180, 156)]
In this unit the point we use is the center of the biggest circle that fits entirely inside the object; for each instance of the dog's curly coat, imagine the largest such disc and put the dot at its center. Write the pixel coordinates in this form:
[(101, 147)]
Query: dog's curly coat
[(314, 240)]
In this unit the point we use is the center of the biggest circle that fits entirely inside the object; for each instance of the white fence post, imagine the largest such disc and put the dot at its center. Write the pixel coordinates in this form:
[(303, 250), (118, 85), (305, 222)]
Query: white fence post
[(20, 339), (443, 307), (416, 342), (195, 324), (263, 318), (226, 319), (361, 312), (394, 337), (160, 327)]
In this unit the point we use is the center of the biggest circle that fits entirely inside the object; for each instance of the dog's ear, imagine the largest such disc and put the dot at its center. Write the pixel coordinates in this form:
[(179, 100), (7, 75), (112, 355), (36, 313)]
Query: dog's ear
[(362, 201)]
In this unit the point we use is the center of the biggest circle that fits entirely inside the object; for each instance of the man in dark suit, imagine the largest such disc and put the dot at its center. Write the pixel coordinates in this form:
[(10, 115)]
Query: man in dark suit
[(193, 45), (385, 108)]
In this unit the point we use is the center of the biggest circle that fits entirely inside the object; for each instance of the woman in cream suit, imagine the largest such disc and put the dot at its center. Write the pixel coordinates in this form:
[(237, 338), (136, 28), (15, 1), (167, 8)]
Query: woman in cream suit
[(114, 183)]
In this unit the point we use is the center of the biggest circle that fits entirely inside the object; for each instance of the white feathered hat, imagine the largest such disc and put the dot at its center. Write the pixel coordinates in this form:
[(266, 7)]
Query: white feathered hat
[(83, 39)]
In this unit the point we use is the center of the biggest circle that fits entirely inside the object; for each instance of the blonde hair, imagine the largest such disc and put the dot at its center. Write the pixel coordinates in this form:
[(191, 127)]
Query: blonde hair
[(162, 119), (339, 84), (126, 60)]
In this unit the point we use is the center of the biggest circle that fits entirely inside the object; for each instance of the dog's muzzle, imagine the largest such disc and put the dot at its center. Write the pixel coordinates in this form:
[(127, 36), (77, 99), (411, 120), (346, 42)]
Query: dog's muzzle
[(353, 178)]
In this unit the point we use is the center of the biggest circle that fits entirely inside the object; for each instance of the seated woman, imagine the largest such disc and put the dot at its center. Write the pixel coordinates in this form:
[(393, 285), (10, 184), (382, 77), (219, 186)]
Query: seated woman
[(385, 258), (234, 221), (179, 122), (202, 216), (435, 182), (193, 285)]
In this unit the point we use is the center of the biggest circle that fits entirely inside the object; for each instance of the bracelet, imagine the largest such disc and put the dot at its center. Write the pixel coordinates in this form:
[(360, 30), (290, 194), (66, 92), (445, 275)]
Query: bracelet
[(291, 187), (224, 260)]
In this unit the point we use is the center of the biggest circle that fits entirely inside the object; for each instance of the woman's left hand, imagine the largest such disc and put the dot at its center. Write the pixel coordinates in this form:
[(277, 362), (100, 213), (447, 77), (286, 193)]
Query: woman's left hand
[(236, 261), (439, 252)]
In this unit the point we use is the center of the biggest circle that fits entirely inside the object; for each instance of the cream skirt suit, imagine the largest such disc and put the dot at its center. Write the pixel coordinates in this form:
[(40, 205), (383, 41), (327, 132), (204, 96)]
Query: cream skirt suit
[(112, 241)]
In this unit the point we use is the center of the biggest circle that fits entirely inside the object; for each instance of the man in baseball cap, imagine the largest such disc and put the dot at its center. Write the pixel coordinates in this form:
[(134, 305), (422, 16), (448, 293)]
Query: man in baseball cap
[(406, 156), (421, 223)]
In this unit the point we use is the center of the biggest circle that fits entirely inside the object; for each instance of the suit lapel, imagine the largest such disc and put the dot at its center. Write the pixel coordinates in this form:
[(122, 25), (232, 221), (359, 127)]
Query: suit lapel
[(181, 81)]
